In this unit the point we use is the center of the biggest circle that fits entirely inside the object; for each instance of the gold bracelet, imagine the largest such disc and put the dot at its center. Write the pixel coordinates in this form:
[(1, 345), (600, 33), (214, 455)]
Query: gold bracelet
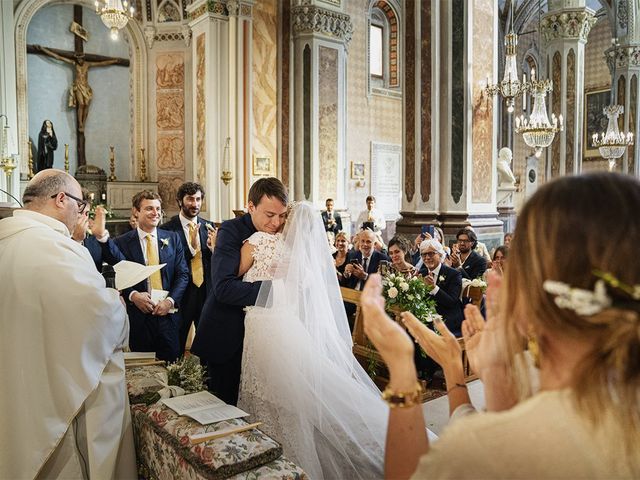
[(457, 385), (403, 399)]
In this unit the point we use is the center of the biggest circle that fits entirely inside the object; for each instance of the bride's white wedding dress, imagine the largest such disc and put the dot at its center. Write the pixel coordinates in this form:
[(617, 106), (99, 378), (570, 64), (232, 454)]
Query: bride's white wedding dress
[(299, 375)]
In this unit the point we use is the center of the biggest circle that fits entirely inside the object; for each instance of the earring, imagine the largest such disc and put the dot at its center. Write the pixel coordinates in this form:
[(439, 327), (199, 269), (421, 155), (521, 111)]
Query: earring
[(534, 350)]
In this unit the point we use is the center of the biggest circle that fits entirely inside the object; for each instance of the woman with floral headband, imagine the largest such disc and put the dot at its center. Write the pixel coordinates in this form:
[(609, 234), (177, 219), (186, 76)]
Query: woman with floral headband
[(573, 309)]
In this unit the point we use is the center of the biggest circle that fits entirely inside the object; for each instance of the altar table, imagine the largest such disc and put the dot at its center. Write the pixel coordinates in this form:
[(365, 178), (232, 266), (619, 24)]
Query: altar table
[(163, 450)]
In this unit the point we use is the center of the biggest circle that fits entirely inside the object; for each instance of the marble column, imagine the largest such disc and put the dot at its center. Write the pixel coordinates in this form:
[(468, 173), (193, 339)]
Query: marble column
[(221, 59), (565, 29), (8, 104), (317, 164), (626, 81), (450, 132)]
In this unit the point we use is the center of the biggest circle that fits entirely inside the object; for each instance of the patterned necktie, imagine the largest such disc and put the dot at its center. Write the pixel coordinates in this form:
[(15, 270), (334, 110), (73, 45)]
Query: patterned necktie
[(197, 275), (155, 280)]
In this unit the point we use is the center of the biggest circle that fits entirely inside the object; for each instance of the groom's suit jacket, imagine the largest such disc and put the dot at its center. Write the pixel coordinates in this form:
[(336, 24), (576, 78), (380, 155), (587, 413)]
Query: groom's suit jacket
[(221, 328)]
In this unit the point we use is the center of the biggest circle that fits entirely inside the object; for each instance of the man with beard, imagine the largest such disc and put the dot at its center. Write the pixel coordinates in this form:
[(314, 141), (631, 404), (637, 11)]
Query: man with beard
[(464, 258), (198, 241)]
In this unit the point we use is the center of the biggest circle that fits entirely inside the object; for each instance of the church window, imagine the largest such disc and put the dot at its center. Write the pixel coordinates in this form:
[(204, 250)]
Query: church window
[(383, 47)]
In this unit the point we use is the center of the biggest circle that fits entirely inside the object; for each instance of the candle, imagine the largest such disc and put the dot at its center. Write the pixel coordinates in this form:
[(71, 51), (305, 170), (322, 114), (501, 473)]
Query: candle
[(92, 196), (524, 92), (533, 74), (103, 196)]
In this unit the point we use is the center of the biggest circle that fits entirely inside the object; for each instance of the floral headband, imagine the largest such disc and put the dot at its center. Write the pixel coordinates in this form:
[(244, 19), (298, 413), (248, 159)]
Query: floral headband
[(588, 302)]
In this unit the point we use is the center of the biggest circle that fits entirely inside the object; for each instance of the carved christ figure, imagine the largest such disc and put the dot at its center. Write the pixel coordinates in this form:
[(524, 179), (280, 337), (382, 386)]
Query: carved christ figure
[(80, 93)]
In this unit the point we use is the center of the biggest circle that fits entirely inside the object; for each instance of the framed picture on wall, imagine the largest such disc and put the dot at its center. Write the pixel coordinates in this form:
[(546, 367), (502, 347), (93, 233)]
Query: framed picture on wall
[(594, 120), (357, 171), (262, 165)]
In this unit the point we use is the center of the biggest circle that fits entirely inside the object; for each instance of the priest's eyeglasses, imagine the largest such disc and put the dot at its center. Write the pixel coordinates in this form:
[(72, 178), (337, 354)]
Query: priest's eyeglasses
[(82, 204)]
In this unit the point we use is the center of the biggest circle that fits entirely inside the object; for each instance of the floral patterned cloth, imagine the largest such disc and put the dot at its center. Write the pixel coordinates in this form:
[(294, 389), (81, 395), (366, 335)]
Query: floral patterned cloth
[(164, 452)]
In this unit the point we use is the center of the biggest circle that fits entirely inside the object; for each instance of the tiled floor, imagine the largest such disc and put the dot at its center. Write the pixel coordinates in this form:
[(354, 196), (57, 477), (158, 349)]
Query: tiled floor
[(436, 412)]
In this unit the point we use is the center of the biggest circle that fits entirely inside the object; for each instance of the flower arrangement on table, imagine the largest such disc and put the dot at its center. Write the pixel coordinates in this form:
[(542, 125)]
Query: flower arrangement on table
[(188, 374), (409, 294)]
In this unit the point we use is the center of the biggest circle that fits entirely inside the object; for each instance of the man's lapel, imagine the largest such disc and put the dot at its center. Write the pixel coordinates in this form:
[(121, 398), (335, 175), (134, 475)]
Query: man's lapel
[(133, 243)]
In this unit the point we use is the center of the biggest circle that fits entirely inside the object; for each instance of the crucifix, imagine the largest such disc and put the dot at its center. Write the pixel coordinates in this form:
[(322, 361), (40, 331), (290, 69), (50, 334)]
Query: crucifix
[(80, 92)]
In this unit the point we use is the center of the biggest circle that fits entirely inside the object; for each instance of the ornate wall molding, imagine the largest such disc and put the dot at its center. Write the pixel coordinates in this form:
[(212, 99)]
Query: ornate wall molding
[(313, 19), (213, 7), (568, 25)]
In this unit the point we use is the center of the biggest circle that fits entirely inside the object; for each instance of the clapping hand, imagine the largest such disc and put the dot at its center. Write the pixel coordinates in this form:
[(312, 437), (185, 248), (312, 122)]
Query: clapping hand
[(80, 232), (212, 235), (389, 338), (485, 347), (99, 222), (443, 348)]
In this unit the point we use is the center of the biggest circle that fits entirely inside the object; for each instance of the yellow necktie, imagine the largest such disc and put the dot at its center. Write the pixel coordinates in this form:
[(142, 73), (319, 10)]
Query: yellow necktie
[(155, 280), (197, 275)]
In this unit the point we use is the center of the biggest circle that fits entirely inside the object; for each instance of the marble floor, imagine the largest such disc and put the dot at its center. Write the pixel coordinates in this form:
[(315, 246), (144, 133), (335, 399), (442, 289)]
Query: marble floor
[(436, 412)]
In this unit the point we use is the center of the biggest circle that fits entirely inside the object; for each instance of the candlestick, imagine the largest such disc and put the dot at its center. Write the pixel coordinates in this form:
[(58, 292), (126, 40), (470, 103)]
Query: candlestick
[(103, 197), (112, 164), (30, 173), (66, 157), (143, 166)]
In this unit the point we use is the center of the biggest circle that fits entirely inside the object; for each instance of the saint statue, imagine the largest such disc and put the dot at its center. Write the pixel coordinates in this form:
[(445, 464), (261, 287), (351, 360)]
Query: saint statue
[(505, 175), (47, 144)]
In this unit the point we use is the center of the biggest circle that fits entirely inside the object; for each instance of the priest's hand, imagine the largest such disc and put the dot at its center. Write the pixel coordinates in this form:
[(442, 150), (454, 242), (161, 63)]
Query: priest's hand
[(99, 222), (80, 232), (142, 300), (162, 308)]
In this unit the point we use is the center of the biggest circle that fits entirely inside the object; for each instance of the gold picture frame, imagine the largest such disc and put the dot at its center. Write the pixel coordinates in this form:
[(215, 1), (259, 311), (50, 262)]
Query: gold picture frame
[(262, 165), (595, 121), (357, 171)]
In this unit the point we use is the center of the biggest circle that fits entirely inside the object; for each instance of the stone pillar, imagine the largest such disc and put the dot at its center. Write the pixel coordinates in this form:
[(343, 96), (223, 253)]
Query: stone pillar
[(450, 131), (626, 83), (221, 54), (8, 105), (565, 29), (320, 41)]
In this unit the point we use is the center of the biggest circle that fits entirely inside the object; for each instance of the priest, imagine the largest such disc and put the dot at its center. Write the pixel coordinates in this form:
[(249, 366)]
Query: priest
[(64, 404)]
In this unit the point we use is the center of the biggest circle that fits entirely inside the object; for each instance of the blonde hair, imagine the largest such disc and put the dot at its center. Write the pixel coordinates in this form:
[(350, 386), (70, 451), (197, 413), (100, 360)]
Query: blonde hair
[(589, 222)]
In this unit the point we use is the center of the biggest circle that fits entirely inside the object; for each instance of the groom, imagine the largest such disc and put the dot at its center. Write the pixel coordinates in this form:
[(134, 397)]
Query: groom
[(220, 334)]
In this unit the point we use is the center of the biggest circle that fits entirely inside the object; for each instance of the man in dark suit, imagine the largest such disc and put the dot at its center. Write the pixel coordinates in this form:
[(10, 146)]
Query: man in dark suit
[(464, 258), (363, 262), (331, 219), (220, 334), (153, 326), (195, 239)]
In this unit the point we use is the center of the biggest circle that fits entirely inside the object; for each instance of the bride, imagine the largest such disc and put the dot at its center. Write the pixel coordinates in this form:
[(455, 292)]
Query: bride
[(299, 375)]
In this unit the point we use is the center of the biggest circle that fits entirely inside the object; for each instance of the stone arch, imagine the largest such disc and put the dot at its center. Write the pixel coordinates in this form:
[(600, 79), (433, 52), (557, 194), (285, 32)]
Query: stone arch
[(137, 87)]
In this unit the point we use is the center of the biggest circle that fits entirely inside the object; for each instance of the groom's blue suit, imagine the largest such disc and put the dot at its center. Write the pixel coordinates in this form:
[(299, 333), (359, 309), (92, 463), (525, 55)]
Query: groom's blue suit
[(220, 334)]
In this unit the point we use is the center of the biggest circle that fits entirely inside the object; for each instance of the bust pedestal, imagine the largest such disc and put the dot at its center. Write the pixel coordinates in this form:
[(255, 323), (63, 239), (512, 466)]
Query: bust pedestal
[(506, 211)]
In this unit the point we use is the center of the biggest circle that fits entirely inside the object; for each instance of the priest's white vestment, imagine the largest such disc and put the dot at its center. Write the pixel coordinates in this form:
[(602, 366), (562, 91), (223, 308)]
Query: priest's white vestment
[(64, 409)]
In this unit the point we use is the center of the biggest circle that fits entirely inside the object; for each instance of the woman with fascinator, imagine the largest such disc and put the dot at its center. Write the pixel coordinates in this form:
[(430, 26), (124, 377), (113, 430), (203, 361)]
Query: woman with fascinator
[(567, 315), (299, 374)]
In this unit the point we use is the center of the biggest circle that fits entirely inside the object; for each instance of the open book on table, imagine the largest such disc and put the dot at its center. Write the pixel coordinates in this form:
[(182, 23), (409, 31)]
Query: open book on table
[(203, 407)]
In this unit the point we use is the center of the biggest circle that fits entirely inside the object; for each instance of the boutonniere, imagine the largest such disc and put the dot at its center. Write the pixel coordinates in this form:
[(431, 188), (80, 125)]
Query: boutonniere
[(164, 242), (441, 278)]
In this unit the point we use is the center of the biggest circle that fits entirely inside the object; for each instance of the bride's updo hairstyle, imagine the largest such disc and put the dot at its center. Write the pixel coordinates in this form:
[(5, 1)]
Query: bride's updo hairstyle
[(577, 230)]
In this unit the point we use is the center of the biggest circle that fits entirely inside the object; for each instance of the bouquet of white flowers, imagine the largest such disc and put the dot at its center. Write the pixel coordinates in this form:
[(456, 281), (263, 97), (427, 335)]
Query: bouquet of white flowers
[(409, 294)]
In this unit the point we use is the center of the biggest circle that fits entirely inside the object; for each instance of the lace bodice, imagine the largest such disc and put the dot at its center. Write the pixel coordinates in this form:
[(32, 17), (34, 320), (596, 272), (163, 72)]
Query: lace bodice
[(268, 248)]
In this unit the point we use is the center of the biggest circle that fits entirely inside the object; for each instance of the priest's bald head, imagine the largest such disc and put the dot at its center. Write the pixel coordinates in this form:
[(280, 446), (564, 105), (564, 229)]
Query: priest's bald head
[(56, 194)]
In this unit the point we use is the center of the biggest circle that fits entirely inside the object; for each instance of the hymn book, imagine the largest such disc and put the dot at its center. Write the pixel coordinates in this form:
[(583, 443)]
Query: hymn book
[(203, 407)]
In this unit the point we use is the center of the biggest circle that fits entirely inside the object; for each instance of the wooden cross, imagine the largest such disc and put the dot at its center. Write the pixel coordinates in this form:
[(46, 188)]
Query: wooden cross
[(80, 93)]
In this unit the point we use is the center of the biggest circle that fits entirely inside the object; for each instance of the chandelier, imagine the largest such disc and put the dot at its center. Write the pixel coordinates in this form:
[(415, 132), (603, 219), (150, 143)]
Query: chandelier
[(613, 143), (510, 86), (537, 131), (114, 14)]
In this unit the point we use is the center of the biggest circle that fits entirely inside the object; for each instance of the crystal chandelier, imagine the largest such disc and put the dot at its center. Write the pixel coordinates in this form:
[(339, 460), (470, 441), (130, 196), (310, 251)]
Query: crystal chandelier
[(510, 86), (537, 131), (114, 14), (612, 144)]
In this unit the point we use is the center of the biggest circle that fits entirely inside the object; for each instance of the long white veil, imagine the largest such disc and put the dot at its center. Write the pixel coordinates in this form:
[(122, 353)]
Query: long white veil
[(339, 420)]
